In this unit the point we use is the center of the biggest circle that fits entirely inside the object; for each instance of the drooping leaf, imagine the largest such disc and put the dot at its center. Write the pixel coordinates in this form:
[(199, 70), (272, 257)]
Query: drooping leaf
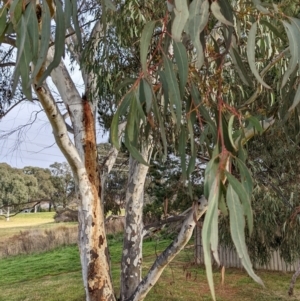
[(214, 238), (210, 172), (199, 14), (181, 148), (44, 42), (181, 16), (134, 151), (204, 113), (222, 203), (32, 28), (144, 43), (59, 42), (3, 11), (240, 68), (68, 13), (15, 11), (244, 197), (293, 46), (162, 76), (131, 126), (251, 54), (237, 228), (230, 131), (173, 89), (273, 29), (182, 63), (114, 129), (140, 98), (191, 165), (208, 228), (148, 95), (215, 8), (257, 125), (76, 23), (157, 115), (296, 100), (26, 56)]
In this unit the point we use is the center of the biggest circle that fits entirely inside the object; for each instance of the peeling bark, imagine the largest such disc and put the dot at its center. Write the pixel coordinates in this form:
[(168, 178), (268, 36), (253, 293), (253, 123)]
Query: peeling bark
[(82, 158), (131, 264), (172, 250)]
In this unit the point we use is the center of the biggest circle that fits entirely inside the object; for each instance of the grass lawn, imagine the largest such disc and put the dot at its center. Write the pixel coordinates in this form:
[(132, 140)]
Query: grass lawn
[(55, 276)]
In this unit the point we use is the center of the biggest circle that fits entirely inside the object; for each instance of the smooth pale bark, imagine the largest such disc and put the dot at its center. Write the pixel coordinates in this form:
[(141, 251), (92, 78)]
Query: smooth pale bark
[(293, 281), (131, 264), (171, 251), (82, 158)]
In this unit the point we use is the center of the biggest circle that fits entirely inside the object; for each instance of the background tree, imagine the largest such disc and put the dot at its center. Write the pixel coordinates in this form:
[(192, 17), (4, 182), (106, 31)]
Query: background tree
[(43, 177), (16, 189), (63, 183)]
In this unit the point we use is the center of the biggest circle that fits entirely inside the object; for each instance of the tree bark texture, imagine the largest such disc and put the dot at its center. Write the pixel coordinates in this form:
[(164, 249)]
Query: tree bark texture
[(82, 158), (293, 281), (171, 251), (131, 264)]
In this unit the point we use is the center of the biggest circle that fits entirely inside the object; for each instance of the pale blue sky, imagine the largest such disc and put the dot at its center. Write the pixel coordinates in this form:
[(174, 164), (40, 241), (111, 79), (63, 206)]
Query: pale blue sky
[(34, 145)]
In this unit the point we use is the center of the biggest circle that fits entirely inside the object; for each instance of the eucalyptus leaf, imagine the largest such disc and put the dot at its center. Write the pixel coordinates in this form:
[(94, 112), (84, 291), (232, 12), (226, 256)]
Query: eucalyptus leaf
[(182, 63), (144, 43), (59, 42), (237, 228), (230, 131), (251, 54), (255, 122), (3, 11), (44, 41), (216, 10), (32, 28), (239, 66), (134, 151), (244, 197), (199, 14), (208, 228), (181, 16), (148, 95), (173, 89), (293, 46)]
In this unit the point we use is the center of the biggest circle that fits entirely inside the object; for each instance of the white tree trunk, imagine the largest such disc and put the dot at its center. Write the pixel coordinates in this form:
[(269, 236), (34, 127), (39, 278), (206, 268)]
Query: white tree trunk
[(83, 161), (168, 255), (131, 264)]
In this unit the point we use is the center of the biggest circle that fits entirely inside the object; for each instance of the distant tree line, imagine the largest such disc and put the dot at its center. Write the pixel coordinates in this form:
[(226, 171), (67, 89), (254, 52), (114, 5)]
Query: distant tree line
[(25, 188)]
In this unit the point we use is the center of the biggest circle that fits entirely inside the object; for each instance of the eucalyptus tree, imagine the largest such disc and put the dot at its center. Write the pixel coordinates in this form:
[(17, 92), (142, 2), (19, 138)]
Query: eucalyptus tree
[(43, 178), (223, 70), (16, 188), (63, 183)]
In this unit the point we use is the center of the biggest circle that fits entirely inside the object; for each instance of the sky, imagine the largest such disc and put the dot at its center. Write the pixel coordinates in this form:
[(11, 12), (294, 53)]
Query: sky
[(32, 145)]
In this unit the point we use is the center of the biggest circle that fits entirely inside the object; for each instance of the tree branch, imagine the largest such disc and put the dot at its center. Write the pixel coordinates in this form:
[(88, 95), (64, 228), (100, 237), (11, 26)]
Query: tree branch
[(59, 128), (174, 248)]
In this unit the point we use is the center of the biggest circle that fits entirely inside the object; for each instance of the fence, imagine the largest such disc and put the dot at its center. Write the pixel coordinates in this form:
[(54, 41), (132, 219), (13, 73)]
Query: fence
[(229, 258)]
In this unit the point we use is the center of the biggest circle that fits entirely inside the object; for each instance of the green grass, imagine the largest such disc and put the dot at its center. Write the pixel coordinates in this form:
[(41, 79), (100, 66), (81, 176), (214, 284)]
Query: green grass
[(56, 276)]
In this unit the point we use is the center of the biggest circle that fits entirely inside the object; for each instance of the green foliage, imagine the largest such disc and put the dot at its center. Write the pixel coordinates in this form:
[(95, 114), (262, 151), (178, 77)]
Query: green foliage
[(209, 77), (63, 183)]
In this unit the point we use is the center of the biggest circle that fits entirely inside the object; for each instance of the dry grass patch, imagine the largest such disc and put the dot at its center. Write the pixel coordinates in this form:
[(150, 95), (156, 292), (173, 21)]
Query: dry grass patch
[(38, 240)]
